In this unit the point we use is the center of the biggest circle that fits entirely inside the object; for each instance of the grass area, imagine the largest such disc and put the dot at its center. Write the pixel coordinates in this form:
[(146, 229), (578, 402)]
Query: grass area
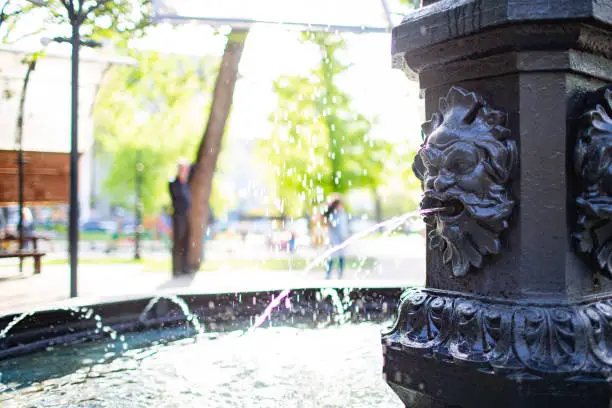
[(156, 265), (98, 235)]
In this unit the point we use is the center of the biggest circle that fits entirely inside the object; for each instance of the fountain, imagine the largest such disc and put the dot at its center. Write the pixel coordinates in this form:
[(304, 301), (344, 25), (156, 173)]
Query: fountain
[(189, 349), (62, 355), (517, 306)]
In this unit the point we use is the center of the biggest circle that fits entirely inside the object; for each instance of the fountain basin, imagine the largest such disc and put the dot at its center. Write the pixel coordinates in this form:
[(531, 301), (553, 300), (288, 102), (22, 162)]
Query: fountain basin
[(146, 349)]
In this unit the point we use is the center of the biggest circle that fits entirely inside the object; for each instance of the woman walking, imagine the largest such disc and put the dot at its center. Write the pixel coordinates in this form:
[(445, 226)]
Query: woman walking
[(337, 221)]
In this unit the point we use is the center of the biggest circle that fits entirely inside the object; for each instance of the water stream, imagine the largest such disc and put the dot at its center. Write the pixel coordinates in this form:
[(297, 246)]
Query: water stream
[(389, 226), (190, 317), (85, 313)]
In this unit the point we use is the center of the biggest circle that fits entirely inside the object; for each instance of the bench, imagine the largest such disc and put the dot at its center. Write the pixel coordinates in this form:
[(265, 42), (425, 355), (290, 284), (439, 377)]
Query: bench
[(9, 238), (21, 254)]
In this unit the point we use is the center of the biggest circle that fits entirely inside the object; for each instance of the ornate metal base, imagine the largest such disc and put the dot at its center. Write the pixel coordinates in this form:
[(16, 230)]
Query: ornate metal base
[(447, 349)]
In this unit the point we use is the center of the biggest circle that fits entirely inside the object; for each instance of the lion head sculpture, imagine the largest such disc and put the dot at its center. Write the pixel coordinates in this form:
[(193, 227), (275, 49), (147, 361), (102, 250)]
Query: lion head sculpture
[(593, 164), (464, 165)]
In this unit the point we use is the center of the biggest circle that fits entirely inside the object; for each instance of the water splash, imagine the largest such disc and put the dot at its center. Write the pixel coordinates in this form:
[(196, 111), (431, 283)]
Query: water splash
[(388, 225), (86, 313), (341, 316), (190, 317), (14, 323), (83, 313)]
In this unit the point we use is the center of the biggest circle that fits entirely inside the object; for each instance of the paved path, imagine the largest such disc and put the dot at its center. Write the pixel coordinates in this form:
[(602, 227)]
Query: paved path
[(399, 265), (403, 245)]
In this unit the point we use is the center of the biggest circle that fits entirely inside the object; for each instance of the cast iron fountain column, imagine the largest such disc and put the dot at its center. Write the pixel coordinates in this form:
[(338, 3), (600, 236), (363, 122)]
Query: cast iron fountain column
[(517, 309)]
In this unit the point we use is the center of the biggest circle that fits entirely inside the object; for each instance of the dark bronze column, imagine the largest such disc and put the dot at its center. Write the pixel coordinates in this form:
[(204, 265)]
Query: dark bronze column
[(517, 309)]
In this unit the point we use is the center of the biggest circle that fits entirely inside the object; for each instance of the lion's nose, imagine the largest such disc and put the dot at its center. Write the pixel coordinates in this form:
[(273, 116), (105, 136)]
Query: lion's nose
[(444, 181)]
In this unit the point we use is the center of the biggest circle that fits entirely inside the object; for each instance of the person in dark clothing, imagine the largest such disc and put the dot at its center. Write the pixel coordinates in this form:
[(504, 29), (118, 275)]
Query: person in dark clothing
[(180, 194)]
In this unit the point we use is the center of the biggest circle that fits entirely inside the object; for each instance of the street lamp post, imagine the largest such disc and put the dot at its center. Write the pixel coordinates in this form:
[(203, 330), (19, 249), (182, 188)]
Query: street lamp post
[(73, 220)]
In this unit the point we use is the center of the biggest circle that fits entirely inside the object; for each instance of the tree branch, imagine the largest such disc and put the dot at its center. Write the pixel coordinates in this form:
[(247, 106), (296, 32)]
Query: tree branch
[(3, 15), (3, 10), (20, 116), (95, 6), (69, 8), (28, 35)]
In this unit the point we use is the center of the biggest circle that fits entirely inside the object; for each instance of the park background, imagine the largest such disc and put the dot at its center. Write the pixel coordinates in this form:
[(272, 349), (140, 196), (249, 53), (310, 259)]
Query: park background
[(313, 113)]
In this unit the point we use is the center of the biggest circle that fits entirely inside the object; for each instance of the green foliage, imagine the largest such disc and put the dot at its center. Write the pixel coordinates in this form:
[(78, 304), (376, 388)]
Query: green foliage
[(411, 3), (7, 12), (156, 108), (114, 20), (319, 144), (401, 191)]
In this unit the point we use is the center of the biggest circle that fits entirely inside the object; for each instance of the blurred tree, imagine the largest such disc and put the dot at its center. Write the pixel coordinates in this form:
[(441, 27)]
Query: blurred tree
[(155, 108), (116, 21), (8, 11), (319, 144), (401, 190), (210, 145)]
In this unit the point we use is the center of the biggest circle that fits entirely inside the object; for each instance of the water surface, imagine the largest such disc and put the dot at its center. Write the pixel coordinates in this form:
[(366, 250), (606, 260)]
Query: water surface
[(269, 367)]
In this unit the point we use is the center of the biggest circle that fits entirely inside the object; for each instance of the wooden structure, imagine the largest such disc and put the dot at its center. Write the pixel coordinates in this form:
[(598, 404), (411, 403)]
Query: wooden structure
[(45, 177), (24, 253)]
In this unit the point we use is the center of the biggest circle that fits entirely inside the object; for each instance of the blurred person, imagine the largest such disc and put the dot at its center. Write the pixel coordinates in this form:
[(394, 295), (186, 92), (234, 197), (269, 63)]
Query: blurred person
[(337, 221), (180, 193), (28, 222), (292, 242), (2, 224), (113, 244), (4, 245), (28, 226), (243, 230)]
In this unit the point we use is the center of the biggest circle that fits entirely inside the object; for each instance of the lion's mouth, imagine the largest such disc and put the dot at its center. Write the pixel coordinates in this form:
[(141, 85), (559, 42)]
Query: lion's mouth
[(449, 208)]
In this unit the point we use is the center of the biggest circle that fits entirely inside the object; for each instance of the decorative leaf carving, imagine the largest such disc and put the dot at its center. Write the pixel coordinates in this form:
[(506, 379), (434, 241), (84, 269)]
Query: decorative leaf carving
[(599, 317), (547, 339), (422, 319), (506, 339), (593, 164), (479, 330)]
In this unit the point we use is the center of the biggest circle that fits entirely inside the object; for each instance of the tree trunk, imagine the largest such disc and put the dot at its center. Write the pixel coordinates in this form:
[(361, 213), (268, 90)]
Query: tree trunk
[(206, 160), (19, 146), (21, 110)]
